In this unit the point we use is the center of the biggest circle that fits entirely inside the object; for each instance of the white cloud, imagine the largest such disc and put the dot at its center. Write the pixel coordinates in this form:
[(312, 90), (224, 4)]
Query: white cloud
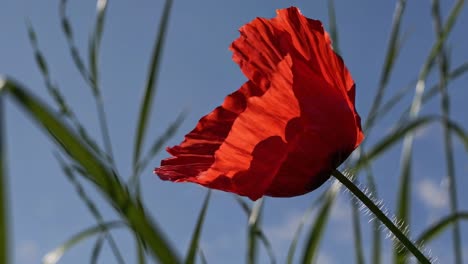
[(324, 258), (285, 231), (28, 252), (432, 195), (341, 210), (424, 132)]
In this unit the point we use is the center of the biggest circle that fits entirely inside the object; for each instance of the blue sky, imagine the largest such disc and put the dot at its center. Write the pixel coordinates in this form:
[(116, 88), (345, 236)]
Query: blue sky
[(197, 73)]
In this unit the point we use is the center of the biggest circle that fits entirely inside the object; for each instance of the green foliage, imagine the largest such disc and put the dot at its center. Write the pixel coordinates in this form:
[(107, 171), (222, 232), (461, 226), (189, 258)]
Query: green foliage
[(4, 231), (82, 159)]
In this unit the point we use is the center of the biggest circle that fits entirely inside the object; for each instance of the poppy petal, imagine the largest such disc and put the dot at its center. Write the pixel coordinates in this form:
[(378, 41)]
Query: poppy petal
[(196, 153), (286, 128)]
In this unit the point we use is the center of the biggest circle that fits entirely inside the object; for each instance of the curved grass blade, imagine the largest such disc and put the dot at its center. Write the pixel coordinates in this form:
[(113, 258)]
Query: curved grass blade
[(75, 54), (68, 171), (243, 204), (390, 59), (252, 233), (192, 251), (54, 256), (394, 137), (315, 234), (447, 136), (95, 40), (57, 96), (410, 127), (456, 73), (155, 148), (431, 92), (404, 198), (4, 230), (297, 233), (41, 63), (150, 87), (104, 178), (89, 78), (268, 247), (381, 216), (435, 229)]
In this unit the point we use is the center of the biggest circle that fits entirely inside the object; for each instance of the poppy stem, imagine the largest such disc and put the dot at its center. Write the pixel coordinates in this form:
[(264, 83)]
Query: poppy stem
[(405, 241)]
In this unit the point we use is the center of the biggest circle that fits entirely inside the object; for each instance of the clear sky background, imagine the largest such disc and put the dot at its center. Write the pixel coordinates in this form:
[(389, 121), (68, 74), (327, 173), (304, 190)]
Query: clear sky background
[(197, 73)]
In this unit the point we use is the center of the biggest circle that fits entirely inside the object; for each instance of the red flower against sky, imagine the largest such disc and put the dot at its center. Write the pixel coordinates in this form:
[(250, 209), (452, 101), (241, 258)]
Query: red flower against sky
[(286, 128)]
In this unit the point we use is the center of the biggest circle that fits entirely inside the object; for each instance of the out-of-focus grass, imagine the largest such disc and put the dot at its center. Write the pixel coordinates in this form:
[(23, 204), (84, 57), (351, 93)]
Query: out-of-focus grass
[(150, 89), (443, 64), (404, 200), (194, 248), (83, 157), (54, 255), (100, 174), (4, 230)]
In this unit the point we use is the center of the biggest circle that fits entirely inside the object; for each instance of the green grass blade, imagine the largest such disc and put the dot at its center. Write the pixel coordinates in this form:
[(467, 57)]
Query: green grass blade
[(243, 204), (453, 75), (4, 230), (104, 178), (193, 248), (333, 26), (314, 236), (134, 181), (97, 249), (150, 87), (447, 136), (261, 235), (298, 232), (57, 96), (41, 63), (88, 76), (406, 242), (394, 137), (203, 258), (94, 45), (68, 171), (457, 130), (431, 92), (54, 256), (95, 40), (141, 259), (404, 198), (390, 59), (358, 248), (376, 235), (437, 228), (409, 127), (252, 233), (75, 54), (393, 49), (268, 246)]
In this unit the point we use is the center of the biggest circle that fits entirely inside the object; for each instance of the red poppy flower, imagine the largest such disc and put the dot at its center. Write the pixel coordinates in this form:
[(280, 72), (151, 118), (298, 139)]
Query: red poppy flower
[(284, 131)]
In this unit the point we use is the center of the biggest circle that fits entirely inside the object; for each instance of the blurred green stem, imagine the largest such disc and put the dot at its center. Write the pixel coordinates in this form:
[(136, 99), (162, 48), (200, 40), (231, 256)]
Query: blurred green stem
[(3, 191), (381, 216), (448, 142)]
